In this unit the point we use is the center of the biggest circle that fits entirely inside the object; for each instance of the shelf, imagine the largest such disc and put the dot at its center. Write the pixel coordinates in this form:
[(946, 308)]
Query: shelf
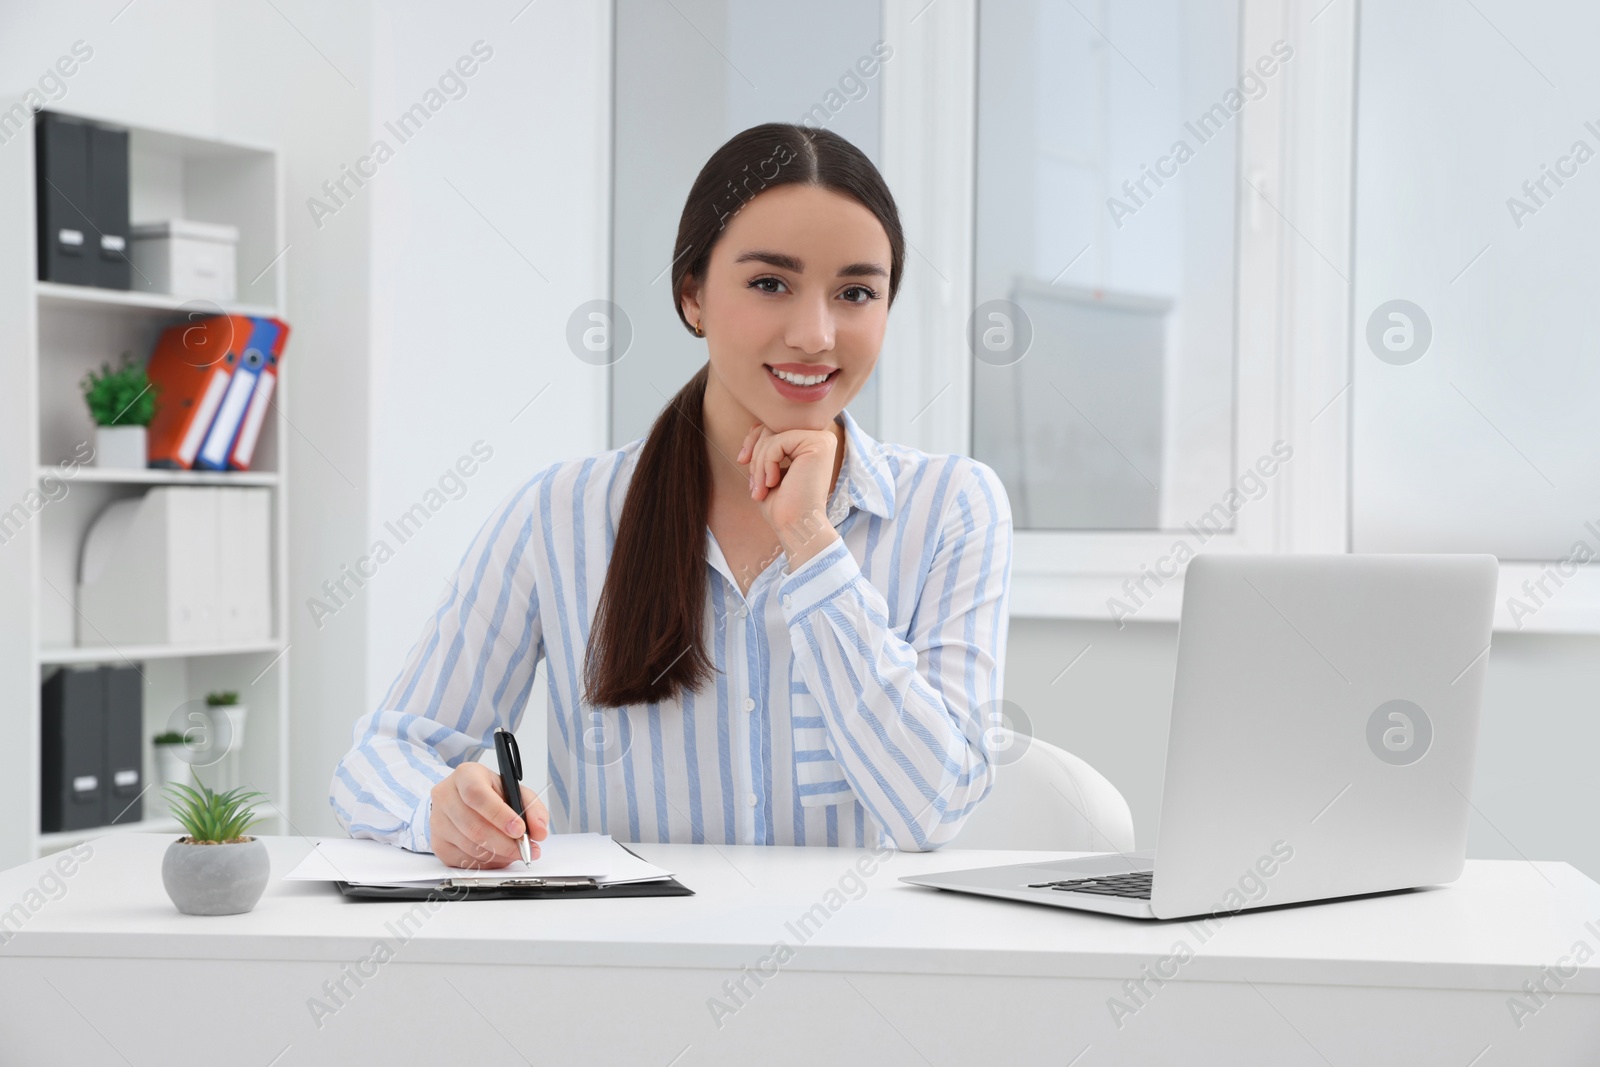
[(128, 653), (57, 295), (60, 839), (155, 824), (158, 476)]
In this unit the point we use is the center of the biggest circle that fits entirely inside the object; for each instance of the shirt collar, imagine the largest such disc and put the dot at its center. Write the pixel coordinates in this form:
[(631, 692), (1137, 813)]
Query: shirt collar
[(863, 480)]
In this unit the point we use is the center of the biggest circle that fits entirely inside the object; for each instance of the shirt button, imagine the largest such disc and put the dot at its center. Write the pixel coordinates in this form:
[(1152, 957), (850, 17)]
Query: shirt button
[(750, 800), (744, 609), (749, 704), (788, 601)]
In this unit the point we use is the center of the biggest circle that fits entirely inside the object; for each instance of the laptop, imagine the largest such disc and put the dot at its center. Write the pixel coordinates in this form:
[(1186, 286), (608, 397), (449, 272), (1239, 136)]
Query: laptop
[(1324, 725)]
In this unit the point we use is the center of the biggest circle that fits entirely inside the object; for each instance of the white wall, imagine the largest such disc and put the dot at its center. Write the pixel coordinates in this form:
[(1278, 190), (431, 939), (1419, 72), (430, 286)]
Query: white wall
[(158, 67), (277, 89), (489, 228)]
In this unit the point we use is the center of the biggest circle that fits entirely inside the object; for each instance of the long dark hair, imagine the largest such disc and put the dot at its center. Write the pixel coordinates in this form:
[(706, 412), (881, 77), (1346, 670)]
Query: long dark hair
[(647, 643)]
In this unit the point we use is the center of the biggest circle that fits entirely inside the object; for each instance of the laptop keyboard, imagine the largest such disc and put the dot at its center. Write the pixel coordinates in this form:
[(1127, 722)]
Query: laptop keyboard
[(1134, 885)]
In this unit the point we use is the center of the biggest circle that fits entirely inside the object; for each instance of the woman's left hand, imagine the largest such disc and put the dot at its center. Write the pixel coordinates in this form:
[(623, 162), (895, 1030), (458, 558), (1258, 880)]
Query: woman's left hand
[(791, 473)]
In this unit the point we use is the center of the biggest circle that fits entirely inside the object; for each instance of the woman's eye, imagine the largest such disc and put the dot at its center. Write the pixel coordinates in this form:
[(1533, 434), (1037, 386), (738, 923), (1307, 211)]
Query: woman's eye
[(777, 285)]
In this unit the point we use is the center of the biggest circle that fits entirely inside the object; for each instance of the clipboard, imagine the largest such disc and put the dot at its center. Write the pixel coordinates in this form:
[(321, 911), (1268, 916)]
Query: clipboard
[(520, 887), (669, 887)]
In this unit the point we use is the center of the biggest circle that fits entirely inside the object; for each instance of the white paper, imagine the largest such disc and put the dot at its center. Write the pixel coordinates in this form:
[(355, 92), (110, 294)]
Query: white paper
[(362, 861)]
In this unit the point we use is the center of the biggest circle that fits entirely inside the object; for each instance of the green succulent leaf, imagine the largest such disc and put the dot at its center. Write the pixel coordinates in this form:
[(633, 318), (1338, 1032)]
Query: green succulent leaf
[(207, 815)]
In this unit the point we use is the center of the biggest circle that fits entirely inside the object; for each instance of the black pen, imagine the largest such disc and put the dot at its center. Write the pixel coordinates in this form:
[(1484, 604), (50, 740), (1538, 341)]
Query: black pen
[(505, 750)]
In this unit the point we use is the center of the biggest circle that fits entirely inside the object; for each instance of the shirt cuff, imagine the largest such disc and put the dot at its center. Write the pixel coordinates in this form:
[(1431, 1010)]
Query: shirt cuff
[(819, 579), (420, 837)]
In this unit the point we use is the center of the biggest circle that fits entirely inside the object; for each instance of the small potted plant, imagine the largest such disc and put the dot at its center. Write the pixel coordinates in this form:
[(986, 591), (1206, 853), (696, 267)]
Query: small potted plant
[(214, 868), (228, 701), (122, 402), (171, 767)]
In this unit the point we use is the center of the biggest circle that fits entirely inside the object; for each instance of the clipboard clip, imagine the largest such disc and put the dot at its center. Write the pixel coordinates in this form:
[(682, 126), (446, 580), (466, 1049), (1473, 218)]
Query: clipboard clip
[(532, 881)]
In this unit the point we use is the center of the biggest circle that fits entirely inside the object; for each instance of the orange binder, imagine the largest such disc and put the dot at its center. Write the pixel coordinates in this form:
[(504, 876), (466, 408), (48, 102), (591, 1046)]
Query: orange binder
[(190, 368)]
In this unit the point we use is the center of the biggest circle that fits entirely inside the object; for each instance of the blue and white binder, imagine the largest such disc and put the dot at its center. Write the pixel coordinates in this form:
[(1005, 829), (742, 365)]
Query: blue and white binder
[(224, 429)]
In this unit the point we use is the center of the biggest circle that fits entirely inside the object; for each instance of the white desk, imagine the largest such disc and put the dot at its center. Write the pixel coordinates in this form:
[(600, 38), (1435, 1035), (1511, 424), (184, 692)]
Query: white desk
[(109, 972)]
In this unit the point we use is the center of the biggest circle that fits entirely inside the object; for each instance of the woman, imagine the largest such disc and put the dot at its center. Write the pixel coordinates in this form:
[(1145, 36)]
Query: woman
[(760, 626)]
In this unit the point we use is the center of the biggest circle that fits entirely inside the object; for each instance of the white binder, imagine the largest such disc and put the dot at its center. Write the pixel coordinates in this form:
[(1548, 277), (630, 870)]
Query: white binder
[(244, 568), (180, 565)]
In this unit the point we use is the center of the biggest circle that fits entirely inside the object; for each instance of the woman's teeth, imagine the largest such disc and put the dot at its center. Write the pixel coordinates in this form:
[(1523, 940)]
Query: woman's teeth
[(799, 379)]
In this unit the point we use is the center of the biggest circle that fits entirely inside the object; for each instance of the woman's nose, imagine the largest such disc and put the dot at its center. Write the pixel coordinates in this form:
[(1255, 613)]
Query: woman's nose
[(811, 330)]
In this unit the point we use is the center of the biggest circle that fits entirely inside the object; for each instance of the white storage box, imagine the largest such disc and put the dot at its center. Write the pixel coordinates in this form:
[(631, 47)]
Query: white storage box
[(185, 258)]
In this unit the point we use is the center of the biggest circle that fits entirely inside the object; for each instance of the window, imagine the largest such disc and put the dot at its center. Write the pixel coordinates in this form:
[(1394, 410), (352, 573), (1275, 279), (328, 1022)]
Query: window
[(1171, 334), (1104, 256), (1162, 370)]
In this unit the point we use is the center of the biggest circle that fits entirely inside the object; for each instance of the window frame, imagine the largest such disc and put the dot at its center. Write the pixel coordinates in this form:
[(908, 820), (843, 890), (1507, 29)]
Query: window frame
[(1292, 351)]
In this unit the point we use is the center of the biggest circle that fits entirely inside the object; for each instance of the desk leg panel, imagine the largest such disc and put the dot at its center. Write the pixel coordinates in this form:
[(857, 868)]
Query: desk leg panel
[(284, 1013)]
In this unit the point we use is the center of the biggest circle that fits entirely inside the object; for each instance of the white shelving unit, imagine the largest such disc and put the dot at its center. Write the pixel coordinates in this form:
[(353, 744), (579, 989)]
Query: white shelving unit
[(54, 294), (50, 335), (162, 477), (80, 654)]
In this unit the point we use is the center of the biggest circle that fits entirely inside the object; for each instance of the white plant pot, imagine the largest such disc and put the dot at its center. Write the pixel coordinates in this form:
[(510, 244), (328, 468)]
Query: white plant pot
[(236, 718), (171, 767), (121, 447)]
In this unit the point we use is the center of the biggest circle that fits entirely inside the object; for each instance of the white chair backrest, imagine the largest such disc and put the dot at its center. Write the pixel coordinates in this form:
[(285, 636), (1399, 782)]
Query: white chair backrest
[(1046, 798)]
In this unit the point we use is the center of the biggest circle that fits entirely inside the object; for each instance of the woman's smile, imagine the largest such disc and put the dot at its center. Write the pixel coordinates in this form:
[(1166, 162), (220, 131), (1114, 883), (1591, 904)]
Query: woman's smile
[(802, 382)]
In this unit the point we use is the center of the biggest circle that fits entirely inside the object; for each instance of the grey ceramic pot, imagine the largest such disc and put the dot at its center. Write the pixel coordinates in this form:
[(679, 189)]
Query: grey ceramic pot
[(215, 879)]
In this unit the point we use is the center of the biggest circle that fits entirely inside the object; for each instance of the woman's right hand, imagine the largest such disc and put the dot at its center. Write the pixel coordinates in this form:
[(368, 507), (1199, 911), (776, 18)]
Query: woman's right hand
[(471, 825)]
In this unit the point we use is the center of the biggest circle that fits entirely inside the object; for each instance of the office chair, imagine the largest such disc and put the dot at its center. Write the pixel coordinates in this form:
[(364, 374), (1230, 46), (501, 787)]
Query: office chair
[(1047, 799)]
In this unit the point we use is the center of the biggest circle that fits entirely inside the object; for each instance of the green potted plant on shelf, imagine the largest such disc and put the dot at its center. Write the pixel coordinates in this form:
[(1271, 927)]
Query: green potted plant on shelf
[(214, 868), (122, 401)]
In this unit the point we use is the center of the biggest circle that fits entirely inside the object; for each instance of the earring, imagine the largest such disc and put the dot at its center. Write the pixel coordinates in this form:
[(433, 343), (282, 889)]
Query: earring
[(698, 332)]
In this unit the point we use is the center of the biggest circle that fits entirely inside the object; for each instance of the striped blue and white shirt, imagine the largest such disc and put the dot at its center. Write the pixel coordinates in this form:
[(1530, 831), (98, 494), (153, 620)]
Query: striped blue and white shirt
[(853, 702)]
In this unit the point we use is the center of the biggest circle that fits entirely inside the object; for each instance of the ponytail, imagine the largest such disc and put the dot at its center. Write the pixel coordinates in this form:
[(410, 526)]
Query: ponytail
[(647, 644)]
